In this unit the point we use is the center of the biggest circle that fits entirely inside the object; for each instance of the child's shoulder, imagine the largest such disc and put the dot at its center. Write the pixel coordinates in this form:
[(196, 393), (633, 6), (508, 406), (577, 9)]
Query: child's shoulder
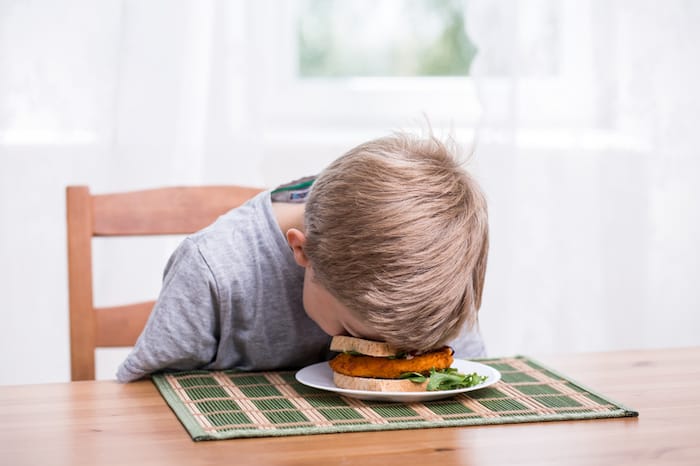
[(238, 231)]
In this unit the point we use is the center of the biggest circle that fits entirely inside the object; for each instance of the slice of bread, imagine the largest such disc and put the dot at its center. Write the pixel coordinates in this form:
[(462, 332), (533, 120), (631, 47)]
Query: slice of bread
[(378, 385), (378, 349)]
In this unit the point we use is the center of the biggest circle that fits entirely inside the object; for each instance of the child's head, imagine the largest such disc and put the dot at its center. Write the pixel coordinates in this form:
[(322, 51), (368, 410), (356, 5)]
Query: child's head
[(397, 232)]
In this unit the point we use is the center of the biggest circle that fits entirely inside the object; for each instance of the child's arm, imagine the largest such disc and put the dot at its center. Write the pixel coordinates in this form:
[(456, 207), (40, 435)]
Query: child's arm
[(181, 331)]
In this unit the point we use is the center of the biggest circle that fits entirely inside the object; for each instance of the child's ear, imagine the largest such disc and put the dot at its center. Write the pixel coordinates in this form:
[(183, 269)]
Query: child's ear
[(297, 240)]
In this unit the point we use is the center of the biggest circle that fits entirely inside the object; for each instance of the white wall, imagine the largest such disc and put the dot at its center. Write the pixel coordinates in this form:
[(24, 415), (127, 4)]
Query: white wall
[(591, 177)]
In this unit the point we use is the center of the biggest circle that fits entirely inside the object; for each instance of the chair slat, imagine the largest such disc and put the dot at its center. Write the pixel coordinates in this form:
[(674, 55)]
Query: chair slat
[(161, 211), (121, 325), (165, 211)]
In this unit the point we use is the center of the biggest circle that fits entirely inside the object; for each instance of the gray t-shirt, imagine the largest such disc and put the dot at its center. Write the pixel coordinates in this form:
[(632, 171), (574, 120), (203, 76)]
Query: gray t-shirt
[(232, 299)]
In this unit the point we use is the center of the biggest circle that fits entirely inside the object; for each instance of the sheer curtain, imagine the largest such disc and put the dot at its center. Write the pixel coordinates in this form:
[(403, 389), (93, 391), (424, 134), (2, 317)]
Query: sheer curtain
[(586, 147), (115, 95)]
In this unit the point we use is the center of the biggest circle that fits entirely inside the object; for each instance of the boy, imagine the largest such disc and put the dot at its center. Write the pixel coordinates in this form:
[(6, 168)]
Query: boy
[(391, 244)]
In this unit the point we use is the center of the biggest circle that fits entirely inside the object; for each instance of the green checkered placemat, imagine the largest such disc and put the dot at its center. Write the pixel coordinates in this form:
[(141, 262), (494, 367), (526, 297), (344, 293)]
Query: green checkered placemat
[(226, 404)]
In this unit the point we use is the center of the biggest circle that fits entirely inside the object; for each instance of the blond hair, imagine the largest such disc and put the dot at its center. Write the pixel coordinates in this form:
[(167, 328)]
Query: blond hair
[(397, 231)]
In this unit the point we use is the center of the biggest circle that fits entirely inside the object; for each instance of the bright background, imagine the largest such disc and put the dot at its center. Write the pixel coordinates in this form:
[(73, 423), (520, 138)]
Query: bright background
[(583, 117)]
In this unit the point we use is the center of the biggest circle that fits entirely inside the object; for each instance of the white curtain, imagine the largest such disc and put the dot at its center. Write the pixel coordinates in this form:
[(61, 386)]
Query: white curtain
[(586, 147), (589, 151)]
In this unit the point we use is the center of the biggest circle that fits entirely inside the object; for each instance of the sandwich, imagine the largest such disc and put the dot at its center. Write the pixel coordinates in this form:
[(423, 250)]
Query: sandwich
[(377, 366)]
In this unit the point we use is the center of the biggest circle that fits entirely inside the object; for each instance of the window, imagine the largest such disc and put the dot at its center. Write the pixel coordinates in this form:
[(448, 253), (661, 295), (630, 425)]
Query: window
[(338, 38), (347, 68)]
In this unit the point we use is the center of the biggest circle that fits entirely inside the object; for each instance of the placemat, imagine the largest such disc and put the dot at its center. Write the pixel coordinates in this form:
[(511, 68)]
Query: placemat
[(215, 405)]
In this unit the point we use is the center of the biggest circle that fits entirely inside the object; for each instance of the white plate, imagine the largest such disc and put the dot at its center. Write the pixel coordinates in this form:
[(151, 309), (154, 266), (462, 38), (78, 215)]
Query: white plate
[(320, 376)]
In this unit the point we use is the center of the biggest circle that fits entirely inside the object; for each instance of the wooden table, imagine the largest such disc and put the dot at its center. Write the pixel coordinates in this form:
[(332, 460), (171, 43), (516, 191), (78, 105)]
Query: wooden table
[(95, 423)]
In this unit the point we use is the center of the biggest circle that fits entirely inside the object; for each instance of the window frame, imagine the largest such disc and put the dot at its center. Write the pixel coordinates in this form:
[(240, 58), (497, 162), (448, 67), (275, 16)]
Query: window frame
[(293, 102)]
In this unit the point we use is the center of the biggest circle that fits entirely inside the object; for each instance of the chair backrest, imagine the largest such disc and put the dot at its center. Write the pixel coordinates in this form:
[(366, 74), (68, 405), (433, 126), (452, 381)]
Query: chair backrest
[(162, 211)]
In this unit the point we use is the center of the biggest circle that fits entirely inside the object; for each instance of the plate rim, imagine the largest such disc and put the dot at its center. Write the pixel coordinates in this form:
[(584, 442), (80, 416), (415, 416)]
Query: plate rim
[(426, 394)]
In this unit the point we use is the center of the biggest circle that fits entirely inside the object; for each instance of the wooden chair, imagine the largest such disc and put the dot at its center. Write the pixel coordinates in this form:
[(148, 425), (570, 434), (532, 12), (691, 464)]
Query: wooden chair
[(163, 211)]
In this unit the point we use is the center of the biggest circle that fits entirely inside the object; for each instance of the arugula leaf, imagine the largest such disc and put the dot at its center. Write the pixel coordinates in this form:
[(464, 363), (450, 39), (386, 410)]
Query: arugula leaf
[(446, 379), (416, 377)]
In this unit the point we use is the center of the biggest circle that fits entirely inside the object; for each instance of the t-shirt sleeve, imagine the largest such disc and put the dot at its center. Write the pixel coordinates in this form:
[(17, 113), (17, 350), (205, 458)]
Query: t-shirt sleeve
[(181, 332)]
